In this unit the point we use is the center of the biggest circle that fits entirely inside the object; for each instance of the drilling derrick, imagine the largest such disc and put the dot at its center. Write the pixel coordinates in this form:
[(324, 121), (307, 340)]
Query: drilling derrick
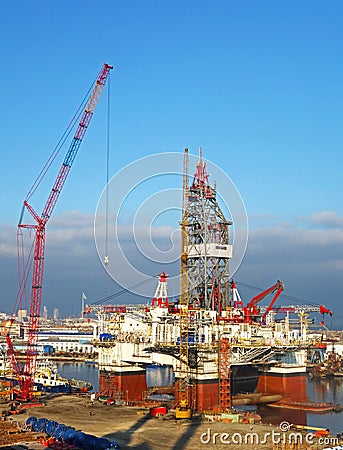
[(208, 249)]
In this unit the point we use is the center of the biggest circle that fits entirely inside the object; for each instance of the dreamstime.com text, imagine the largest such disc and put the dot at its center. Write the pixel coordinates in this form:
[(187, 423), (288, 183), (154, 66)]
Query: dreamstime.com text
[(274, 437)]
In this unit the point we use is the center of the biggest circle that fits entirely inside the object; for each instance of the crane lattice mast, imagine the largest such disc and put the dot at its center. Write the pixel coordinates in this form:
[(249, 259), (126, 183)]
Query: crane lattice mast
[(26, 379), (183, 410)]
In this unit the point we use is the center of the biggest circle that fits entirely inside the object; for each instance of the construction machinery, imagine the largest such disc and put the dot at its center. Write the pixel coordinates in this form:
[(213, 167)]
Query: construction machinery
[(36, 257), (258, 314), (252, 312), (183, 411)]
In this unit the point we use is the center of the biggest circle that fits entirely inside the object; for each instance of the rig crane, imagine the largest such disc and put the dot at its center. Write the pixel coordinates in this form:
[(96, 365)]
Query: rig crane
[(252, 313), (306, 308), (26, 377)]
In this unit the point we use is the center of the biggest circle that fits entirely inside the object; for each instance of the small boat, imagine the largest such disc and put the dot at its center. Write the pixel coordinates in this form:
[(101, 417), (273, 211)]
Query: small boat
[(91, 362), (80, 386)]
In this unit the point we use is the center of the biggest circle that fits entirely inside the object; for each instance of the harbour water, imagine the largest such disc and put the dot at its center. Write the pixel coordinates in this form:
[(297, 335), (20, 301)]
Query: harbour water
[(318, 390), (80, 371), (326, 390)]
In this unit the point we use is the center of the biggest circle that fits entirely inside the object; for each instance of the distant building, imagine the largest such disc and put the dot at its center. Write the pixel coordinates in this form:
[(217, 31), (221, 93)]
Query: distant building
[(22, 314), (67, 339), (55, 313), (45, 312)]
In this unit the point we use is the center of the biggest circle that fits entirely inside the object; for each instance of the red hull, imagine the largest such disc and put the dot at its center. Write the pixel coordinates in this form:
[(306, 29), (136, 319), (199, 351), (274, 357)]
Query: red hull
[(203, 396), (130, 386), (290, 386)]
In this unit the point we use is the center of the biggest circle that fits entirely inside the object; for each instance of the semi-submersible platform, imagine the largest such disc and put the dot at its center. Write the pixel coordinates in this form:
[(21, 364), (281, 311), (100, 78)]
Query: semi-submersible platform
[(207, 345)]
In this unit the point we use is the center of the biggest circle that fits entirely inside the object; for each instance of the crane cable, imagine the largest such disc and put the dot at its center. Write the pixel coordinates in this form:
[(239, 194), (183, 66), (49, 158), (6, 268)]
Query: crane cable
[(106, 259), (285, 296), (59, 144), (123, 291)]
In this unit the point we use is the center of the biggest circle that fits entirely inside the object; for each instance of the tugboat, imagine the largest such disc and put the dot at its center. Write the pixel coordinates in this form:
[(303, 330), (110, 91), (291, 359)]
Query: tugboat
[(46, 378)]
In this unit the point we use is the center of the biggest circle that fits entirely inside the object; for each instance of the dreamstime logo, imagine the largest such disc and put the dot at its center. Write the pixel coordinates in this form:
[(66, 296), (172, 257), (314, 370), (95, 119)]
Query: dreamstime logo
[(137, 221), (284, 436), (285, 426)]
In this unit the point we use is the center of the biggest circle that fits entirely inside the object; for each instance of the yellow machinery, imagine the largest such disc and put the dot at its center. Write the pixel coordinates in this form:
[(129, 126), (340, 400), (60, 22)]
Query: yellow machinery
[(183, 411)]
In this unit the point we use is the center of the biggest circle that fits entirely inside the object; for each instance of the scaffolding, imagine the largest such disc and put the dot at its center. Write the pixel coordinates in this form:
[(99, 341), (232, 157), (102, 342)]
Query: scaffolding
[(224, 374), (184, 411)]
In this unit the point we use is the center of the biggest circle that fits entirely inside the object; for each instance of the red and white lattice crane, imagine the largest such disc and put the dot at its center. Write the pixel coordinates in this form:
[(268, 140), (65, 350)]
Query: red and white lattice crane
[(26, 376), (161, 296)]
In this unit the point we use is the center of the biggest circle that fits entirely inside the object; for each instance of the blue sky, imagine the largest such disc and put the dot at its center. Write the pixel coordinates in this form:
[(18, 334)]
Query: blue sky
[(258, 85)]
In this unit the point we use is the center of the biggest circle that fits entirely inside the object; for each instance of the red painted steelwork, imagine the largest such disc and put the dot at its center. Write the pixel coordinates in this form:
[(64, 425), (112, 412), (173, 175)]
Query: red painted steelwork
[(130, 386), (204, 395), (291, 387), (26, 378)]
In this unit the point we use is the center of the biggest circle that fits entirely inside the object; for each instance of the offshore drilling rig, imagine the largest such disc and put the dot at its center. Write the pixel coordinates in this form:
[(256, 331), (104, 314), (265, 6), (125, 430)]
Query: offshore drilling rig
[(204, 266), (208, 339)]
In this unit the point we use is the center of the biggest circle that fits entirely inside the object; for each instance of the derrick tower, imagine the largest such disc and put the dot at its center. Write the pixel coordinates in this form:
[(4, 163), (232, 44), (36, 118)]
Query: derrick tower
[(208, 248)]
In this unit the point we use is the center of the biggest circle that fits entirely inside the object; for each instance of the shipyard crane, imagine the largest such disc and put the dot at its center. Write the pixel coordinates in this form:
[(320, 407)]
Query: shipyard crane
[(26, 377), (252, 313), (307, 308)]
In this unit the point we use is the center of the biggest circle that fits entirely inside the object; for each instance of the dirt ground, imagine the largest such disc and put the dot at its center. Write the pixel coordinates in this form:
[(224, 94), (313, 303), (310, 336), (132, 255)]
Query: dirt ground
[(134, 429)]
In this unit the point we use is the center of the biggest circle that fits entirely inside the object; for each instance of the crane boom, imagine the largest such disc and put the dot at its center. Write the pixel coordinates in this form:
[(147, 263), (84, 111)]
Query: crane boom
[(76, 142), (255, 300), (295, 309), (278, 288), (251, 311), (27, 378)]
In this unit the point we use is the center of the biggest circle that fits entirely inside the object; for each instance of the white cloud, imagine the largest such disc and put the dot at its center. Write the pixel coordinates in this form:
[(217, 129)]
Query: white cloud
[(308, 259), (8, 241), (292, 236), (327, 219)]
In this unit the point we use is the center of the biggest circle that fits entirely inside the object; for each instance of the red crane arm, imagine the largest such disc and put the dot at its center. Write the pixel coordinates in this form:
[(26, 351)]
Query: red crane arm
[(279, 287), (11, 354), (324, 310), (39, 249), (253, 302), (297, 308)]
